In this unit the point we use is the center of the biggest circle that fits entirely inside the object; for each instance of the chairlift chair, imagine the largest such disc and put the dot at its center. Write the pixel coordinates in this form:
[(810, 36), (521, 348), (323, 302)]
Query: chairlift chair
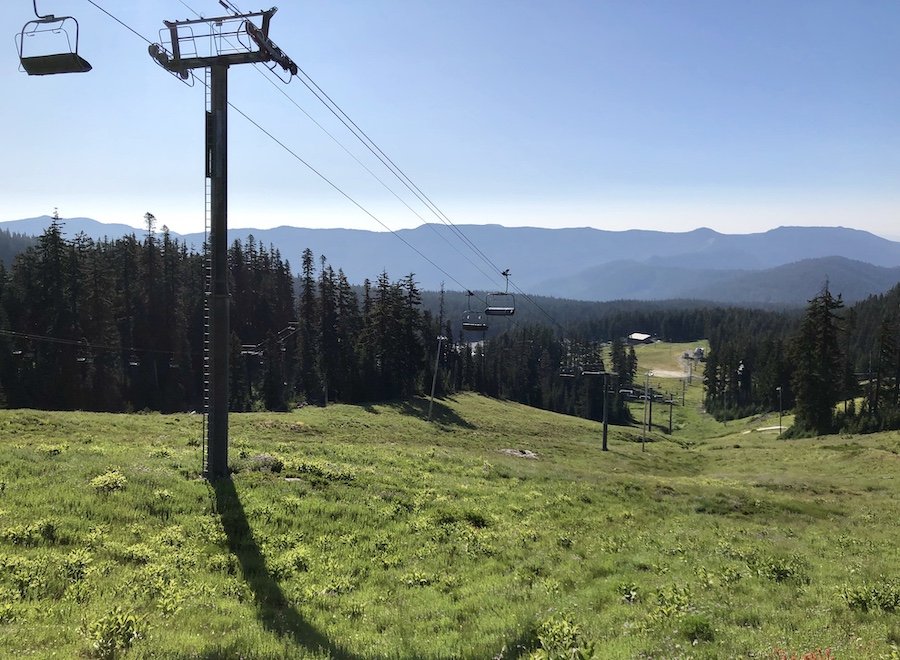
[(501, 303), (592, 370), (568, 372), (473, 320), (23, 351), (56, 53), (134, 360), (84, 353)]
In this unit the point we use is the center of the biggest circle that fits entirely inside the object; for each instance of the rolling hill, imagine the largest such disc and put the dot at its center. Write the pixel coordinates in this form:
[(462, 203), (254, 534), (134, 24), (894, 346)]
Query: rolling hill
[(790, 284), (363, 532)]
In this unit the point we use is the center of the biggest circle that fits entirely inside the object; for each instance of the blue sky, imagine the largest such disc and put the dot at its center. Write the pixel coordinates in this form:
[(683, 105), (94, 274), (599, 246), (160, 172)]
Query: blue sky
[(740, 116)]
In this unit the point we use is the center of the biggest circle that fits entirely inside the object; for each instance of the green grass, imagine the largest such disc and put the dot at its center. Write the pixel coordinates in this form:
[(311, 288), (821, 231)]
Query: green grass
[(665, 356), (384, 535)]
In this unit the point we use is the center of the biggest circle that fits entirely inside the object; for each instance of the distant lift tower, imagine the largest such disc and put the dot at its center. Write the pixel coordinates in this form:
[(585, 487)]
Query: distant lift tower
[(215, 44)]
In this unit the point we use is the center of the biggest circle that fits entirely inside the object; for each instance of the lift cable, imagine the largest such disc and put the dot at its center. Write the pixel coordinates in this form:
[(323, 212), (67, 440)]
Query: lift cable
[(370, 144), (279, 337), (392, 167), (401, 175), (100, 347), (340, 191), (261, 70), (124, 25), (373, 174), (337, 188), (284, 146)]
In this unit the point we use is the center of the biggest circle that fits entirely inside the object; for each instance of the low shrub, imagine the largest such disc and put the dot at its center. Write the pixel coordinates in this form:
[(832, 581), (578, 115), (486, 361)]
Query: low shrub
[(45, 529), (562, 639), (113, 634), (697, 628), (109, 482), (782, 568), (295, 560), (883, 594)]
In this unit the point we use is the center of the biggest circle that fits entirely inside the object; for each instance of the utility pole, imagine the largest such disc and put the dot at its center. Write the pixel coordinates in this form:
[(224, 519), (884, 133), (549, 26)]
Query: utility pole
[(216, 44)]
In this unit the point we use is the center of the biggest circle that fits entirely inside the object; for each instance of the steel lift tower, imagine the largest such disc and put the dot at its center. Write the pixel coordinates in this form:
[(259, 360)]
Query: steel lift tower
[(214, 44)]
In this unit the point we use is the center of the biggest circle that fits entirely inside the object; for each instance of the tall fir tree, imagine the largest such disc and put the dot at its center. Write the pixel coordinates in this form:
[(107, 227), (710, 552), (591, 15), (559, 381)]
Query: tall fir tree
[(816, 352)]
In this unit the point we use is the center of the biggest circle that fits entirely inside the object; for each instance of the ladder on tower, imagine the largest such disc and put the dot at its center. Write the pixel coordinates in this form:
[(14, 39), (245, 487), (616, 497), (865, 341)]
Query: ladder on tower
[(207, 285)]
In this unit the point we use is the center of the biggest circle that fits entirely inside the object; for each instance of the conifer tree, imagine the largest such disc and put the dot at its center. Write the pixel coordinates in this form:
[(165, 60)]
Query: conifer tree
[(307, 336), (817, 365)]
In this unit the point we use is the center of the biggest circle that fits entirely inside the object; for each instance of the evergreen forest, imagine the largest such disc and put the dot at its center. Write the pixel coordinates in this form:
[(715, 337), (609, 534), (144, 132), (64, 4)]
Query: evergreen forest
[(119, 325)]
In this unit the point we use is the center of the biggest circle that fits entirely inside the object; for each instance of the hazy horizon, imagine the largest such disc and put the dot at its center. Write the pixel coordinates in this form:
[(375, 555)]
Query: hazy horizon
[(615, 116), (176, 230)]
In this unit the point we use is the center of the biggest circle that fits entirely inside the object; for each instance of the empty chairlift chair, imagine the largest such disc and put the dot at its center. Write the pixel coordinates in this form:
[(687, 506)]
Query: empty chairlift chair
[(46, 45), (501, 303), (473, 320), (84, 355)]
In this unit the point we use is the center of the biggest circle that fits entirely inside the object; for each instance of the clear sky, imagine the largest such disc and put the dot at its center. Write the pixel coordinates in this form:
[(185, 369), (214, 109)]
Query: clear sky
[(616, 114)]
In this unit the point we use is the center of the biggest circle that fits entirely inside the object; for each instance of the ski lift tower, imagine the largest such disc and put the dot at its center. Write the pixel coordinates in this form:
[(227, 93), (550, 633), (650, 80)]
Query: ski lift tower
[(215, 44)]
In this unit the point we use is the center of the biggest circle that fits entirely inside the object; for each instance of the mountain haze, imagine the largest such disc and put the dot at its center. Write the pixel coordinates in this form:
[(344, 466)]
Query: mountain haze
[(584, 263)]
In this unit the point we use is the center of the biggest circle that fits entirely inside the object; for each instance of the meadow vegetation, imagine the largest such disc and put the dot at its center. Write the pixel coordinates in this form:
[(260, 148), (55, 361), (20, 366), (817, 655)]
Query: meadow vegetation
[(368, 532)]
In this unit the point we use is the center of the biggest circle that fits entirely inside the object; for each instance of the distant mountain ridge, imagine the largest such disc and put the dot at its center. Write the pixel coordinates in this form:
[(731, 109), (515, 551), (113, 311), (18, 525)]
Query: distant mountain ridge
[(584, 263)]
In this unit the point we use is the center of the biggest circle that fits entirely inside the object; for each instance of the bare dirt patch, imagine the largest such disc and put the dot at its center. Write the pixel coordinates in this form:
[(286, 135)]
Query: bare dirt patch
[(520, 453)]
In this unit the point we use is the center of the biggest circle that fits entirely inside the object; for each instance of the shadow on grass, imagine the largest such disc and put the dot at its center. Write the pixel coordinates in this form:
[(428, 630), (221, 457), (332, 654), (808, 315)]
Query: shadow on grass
[(418, 407), (440, 413), (273, 609)]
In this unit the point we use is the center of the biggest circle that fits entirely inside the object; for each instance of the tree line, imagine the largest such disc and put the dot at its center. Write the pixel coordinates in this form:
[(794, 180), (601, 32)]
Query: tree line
[(120, 325), (837, 368), (11, 244)]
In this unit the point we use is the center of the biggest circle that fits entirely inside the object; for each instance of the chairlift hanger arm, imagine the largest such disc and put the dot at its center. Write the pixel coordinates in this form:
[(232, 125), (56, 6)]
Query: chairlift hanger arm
[(46, 17)]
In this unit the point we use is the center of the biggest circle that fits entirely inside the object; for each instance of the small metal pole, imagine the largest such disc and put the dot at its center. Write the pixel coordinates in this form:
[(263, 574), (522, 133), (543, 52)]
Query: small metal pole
[(646, 391), (780, 427), (671, 405), (605, 409), (434, 376)]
